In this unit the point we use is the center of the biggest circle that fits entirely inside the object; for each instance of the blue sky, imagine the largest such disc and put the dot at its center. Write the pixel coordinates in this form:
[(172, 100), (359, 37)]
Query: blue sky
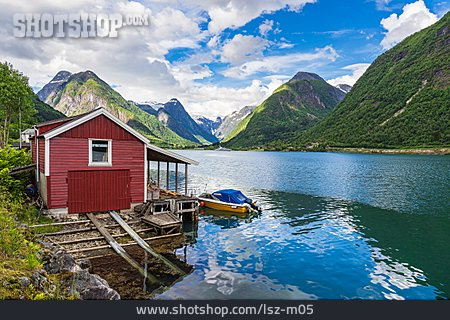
[(217, 56)]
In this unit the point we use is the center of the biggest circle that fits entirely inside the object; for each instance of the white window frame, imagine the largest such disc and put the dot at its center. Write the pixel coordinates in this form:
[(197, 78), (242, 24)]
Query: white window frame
[(100, 164)]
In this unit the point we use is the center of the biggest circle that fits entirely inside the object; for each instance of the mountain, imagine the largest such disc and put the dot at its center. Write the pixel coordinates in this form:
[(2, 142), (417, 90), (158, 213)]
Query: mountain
[(344, 87), (231, 121), (151, 107), (222, 127), (44, 111), (207, 124), (402, 100), (293, 107), (55, 84), (174, 116), (85, 91)]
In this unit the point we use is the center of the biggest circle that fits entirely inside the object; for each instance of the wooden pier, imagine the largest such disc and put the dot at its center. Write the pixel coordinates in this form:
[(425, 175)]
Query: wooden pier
[(167, 214), (164, 223)]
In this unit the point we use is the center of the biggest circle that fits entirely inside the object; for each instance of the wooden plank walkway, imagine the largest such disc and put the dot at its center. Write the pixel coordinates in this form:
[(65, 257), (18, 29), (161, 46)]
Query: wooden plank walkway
[(166, 223)]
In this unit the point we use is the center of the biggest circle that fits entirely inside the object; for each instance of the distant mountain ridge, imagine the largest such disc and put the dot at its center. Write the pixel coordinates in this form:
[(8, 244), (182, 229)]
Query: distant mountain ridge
[(82, 92), (174, 116), (230, 121), (293, 107), (208, 124)]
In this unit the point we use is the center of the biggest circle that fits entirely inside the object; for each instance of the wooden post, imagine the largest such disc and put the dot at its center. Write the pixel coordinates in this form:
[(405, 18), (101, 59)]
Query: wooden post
[(186, 179), (176, 177), (167, 176), (159, 179), (149, 173)]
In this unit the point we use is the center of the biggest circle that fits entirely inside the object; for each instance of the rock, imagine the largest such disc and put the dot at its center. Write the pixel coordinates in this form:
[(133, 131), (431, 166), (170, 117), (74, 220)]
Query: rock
[(24, 282), (59, 262), (92, 287), (38, 278), (79, 282), (85, 264)]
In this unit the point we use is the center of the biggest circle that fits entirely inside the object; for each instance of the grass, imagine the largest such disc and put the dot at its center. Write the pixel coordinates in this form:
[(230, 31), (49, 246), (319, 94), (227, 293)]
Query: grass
[(20, 256)]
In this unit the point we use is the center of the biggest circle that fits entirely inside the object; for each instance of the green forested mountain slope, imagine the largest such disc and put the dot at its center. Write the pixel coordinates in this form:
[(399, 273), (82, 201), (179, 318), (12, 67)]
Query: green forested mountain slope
[(44, 111), (292, 108), (84, 91), (402, 100)]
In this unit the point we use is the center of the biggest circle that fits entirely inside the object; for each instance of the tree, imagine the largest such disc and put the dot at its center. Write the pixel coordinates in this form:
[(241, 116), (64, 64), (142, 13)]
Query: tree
[(15, 100)]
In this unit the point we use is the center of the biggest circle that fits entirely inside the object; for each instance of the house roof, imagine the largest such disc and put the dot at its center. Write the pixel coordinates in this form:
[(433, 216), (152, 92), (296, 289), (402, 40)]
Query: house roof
[(78, 120), (60, 120)]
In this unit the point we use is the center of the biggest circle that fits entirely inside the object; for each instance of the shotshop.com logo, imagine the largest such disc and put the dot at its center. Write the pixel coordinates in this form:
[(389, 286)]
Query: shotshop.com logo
[(74, 25)]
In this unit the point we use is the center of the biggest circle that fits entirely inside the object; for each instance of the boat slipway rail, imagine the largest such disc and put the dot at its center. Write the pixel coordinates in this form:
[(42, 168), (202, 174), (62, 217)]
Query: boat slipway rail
[(144, 245), (119, 250)]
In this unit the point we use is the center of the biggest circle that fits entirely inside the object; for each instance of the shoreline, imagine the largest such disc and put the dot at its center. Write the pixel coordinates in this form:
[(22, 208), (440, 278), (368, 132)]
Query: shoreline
[(436, 151), (419, 151)]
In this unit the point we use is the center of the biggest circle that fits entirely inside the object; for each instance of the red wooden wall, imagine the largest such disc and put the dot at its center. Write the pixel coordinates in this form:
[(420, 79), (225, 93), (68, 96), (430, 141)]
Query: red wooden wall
[(100, 127), (85, 195), (70, 152)]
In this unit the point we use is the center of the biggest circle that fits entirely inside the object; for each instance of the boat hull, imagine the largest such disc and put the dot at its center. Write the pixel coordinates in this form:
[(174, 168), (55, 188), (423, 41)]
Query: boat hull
[(223, 206)]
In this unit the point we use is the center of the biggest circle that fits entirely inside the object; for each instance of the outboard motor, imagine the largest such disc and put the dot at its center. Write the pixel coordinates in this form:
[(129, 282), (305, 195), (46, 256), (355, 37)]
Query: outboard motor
[(252, 204)]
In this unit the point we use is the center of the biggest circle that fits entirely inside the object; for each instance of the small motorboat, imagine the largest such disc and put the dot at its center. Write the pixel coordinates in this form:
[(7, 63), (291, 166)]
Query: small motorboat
[(228, 200)]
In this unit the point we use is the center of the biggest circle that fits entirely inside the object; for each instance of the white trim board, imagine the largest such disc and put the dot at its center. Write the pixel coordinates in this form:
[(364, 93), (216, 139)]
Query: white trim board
[(47, 158), (101, 111), (37, 156), (100, 164), (145, 174)]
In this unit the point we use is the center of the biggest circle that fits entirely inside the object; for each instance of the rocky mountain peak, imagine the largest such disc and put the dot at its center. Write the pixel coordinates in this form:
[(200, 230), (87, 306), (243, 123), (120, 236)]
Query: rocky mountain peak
[(306, 76), (344, 87), (62, 75), (57, 81)]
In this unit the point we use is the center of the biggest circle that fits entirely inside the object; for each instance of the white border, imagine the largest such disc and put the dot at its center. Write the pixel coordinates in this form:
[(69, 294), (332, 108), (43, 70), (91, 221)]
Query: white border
[(100, 164)]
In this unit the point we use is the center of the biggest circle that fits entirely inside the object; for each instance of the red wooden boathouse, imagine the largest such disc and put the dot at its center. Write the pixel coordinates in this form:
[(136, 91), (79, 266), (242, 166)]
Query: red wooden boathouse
[(94, 162)]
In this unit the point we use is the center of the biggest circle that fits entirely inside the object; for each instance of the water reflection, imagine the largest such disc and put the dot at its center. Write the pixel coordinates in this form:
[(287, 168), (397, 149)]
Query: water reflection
[(304, 247), (226, 220)]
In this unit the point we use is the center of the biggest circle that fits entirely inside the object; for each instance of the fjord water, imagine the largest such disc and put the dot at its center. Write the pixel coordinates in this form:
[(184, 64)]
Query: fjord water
[(334, 226)]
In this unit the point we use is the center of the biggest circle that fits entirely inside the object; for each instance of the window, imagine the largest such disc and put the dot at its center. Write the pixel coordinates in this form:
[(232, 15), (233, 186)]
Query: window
[(100, 152)]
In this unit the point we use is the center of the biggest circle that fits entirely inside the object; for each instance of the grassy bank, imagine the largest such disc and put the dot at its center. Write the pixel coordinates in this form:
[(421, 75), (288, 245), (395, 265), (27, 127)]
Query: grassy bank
[(20, 255)]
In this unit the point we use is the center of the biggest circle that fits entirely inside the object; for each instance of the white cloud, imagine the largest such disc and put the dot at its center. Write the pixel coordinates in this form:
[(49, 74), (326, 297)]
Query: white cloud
[(236, 13), (415, 17), (284, 62), (136, 62), (382, 4), (212, 101), (285, 45), (243, 48), (357, 70), (265, 27)]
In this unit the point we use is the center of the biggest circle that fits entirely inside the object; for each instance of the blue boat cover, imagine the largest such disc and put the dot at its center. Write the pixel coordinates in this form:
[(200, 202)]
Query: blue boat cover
[(230, 196)]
